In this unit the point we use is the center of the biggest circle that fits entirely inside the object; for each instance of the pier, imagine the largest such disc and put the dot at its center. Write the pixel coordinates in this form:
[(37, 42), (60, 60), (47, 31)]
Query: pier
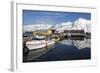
[(72, 34), (67, 34), (57, 37)]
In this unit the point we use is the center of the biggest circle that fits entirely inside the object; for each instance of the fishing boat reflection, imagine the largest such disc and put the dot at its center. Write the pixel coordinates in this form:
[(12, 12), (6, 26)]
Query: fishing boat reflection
[(34, 53)]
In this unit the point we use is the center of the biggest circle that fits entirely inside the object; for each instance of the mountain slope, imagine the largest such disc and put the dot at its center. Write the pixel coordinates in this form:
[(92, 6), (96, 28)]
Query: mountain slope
[(79, 24)]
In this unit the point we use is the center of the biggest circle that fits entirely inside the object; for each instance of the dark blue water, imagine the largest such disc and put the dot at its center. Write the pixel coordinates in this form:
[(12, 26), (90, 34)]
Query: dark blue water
[(64, 52)]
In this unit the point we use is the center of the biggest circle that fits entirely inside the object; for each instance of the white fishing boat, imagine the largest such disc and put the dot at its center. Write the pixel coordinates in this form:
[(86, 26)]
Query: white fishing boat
[(36, 44), (39, 37)]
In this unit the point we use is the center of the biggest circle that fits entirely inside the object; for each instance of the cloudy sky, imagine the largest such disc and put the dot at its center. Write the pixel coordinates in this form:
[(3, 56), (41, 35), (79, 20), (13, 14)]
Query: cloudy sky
[(50, 17)]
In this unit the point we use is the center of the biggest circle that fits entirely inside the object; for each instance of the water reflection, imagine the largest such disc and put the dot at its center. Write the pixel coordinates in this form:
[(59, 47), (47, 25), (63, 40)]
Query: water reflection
[(80, 44), (63, 50)]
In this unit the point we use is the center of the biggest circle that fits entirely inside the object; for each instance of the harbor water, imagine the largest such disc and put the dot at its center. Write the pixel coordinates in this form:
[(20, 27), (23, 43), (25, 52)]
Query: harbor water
[(61, 51)]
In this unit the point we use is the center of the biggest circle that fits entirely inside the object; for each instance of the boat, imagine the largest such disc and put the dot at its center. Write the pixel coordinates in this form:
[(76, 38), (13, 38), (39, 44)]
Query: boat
[(56, 38), (39, 37), (36, 44)]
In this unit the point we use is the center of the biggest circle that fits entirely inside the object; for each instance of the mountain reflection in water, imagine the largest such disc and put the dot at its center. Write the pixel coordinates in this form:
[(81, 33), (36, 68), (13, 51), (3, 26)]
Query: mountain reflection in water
[(63, 50)]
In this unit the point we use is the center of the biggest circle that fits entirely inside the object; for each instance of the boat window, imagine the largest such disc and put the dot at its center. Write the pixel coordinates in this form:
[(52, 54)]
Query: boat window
[(37, 38)]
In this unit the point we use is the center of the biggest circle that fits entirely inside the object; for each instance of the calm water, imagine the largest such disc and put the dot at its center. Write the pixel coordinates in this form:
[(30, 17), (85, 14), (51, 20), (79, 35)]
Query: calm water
[(64, 50)]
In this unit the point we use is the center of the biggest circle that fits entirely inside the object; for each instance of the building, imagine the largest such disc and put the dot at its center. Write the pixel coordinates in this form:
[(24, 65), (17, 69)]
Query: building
[(43, 32)]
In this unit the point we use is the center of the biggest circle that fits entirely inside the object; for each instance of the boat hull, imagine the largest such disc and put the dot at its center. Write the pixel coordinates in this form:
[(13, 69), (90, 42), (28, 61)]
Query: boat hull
[(38, 44)]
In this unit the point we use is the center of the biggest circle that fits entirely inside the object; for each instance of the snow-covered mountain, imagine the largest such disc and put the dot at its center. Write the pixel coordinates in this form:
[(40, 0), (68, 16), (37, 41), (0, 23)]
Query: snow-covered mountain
[(63, 26), (79, 24), (82, 24), (34, 27)]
